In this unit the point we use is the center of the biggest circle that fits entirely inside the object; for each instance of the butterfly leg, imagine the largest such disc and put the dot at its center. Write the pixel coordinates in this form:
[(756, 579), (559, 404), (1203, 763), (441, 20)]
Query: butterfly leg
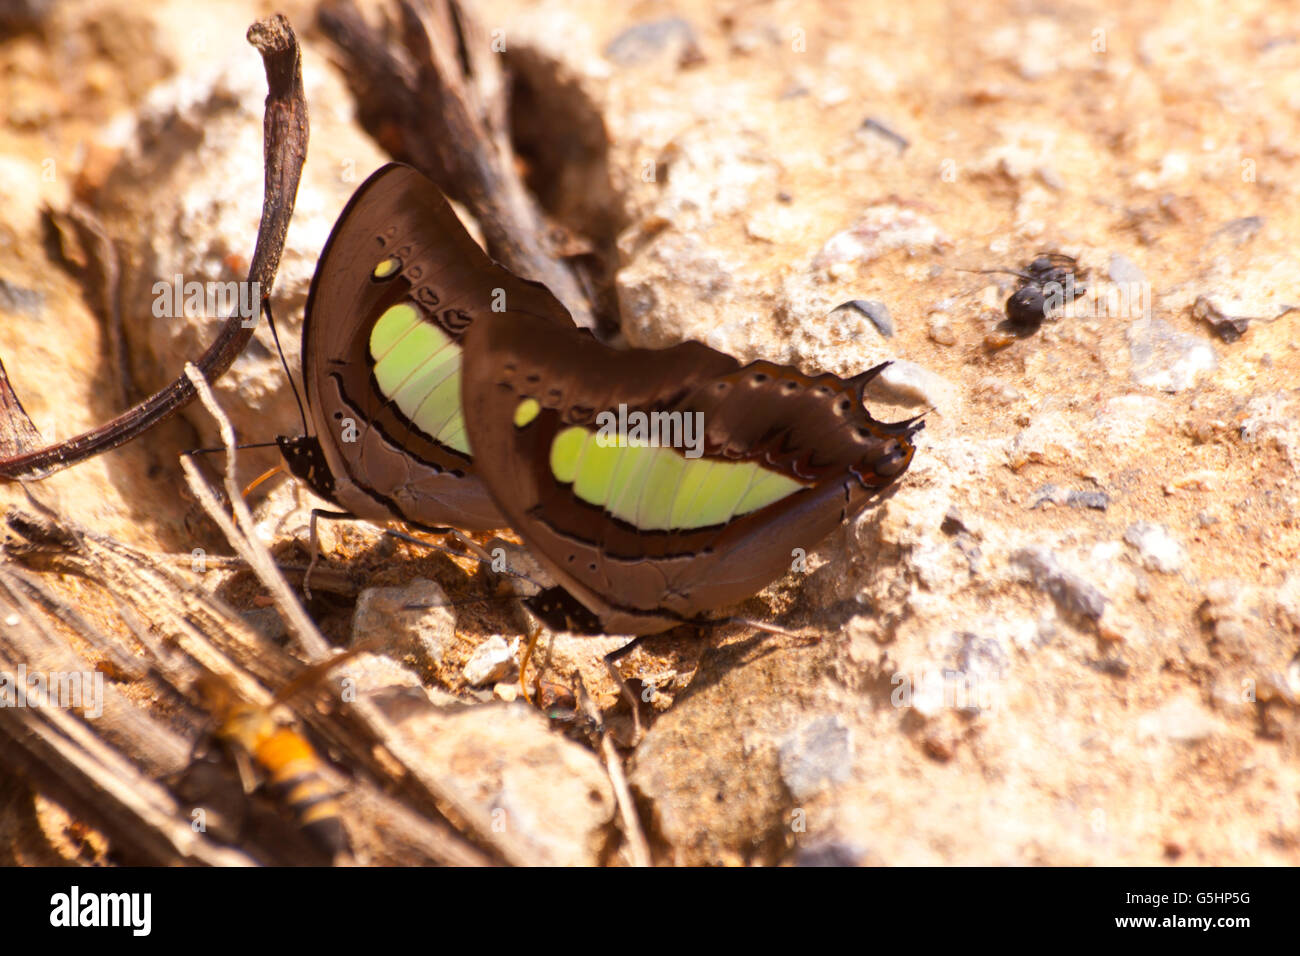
[(611, 660), (472, 550), (313, 543)]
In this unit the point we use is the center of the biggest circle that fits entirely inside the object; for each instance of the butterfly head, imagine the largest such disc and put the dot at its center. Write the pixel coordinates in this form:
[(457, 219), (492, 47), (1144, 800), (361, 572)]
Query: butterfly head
[(305, 460)]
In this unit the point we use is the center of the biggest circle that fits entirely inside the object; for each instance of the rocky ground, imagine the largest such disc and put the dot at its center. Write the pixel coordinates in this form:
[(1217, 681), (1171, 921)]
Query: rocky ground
[(1069, 638)]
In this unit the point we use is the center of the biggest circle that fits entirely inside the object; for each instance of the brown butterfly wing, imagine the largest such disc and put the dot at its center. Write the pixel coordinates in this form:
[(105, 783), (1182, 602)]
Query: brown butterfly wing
[(382, 464), (812, 430)]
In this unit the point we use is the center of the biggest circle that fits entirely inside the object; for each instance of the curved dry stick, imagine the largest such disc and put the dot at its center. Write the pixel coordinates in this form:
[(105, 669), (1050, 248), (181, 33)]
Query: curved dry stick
[(285, 131)]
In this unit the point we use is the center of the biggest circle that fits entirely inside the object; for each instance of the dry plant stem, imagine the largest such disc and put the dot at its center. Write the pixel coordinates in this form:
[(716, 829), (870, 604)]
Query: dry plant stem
[(132, 809), (202, 627), (258, 558), (284, 151), (636, 842), (302, 628), (75, 621), (626, 693), (64, 758), (197, 630), (17, 433)]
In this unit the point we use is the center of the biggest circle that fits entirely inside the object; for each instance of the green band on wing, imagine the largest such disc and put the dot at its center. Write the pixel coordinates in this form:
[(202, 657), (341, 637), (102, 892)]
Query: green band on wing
[(630, 481), (599, 462), (386, 268), (566, 452), (656, 505), (658, 489), (417, 368)]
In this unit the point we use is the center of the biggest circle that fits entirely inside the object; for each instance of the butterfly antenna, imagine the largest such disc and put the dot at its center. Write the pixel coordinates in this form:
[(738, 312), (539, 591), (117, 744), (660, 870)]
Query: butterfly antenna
[(242, 446), (284, 363)]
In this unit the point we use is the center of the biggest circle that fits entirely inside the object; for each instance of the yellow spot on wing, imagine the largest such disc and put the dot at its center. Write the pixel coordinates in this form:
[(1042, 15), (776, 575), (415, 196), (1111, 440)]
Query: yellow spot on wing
[(526, 411)]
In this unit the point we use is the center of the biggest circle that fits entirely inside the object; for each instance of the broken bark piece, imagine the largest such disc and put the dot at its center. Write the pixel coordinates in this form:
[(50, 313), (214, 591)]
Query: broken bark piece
[(431, 90)]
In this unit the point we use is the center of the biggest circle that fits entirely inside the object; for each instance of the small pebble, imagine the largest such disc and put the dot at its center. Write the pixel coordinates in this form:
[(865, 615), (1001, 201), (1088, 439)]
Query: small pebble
[(1156, 547), (492, 661), (645, 42), (1229, 328), (1070, 497), (1072, 594), (1162, 357), (1123, 270), (818, 752), (877, 312), (940, 329)]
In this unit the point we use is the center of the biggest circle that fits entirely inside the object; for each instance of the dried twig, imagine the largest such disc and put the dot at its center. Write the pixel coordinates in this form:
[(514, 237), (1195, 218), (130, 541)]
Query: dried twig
[(638, 849), (199, 629), (285, 149), (17, 433), (61, 754)]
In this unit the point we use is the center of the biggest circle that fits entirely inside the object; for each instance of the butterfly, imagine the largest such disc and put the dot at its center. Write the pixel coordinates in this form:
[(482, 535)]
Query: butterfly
[(654, 484)]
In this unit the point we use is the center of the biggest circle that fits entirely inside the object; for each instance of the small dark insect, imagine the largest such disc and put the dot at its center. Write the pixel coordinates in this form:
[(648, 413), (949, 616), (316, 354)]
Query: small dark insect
[(1046, 284), (556, 701), (268, 754)]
